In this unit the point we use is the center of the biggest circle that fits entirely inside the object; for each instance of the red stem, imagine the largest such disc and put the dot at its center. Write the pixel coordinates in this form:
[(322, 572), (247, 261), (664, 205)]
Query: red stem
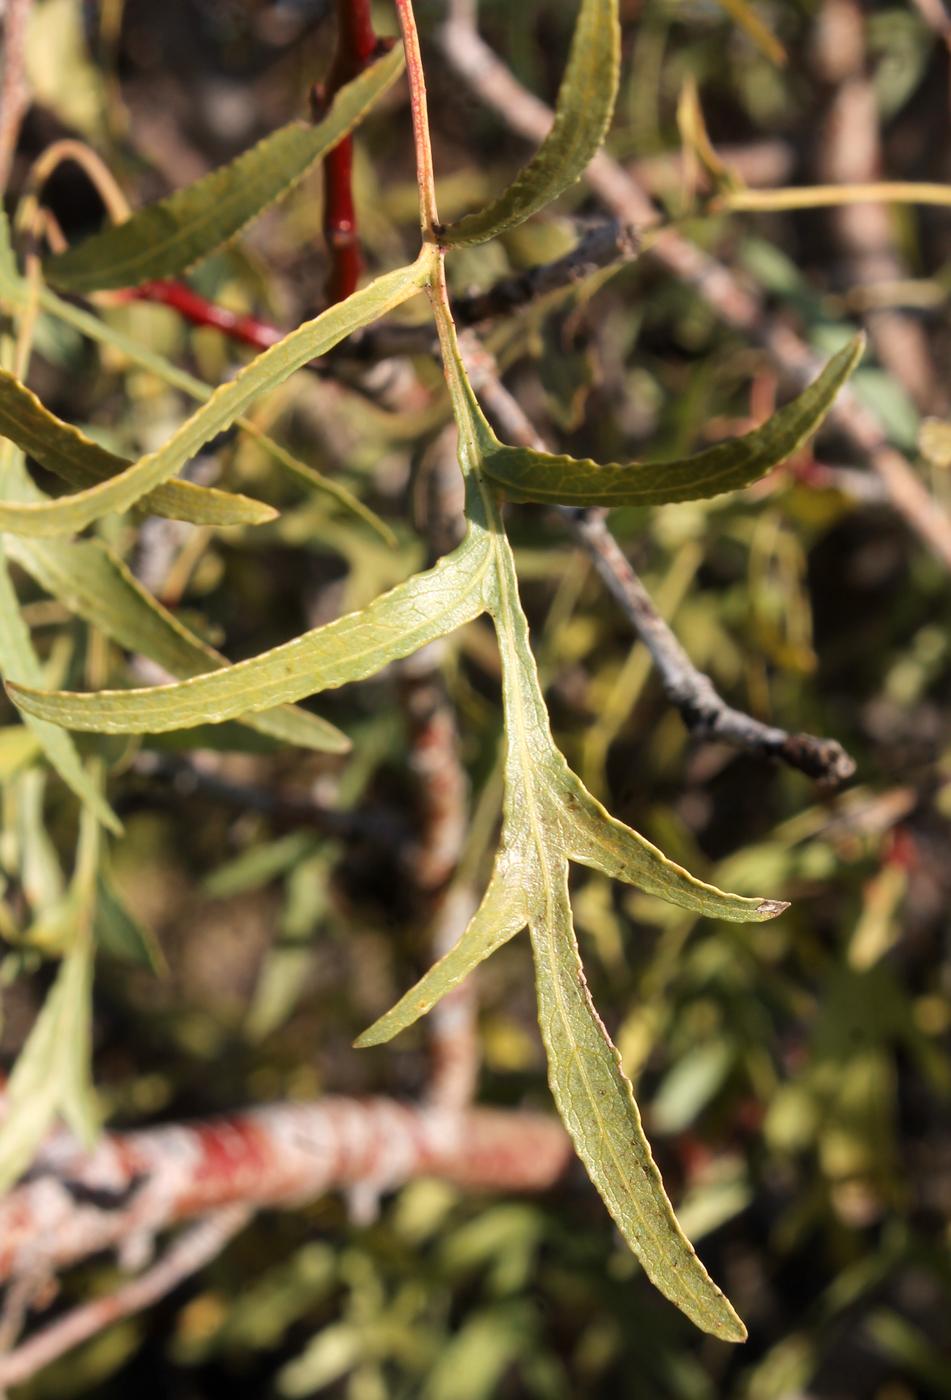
[(199, 312), (356, 44)]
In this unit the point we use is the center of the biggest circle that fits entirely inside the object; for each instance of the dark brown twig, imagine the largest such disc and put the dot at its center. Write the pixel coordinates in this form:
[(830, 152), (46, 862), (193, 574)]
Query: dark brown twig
[(598, 246)]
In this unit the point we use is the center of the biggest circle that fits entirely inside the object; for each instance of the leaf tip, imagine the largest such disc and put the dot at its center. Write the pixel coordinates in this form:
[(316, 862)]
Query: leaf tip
[(769, 908)]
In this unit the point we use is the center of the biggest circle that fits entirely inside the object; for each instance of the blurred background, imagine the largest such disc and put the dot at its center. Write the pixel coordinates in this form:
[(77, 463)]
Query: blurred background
[(794, 1077)]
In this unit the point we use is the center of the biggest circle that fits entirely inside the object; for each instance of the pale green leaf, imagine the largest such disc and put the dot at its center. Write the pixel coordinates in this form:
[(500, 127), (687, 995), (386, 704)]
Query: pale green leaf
[(593, 837), (14, 295), (70, 455), (549, 818), (597, 1105), (582, 115), (18, 661), (51, 1074), (500, 916), (97, 586), (225, 405), (425, 607), (525, 475), (119, 933), (44, 1073), (165, 239)]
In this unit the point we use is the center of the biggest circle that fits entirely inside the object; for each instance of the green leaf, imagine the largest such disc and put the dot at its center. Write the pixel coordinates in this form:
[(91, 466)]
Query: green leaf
[(425, 607), (225, 405), (18, 661), (165, 239), (69, 454), (96, 585), (119, 933), (14, 296), (525, 475), (582, 115), (500, 916), (51, 1074), (45, 1075), (597, 1105)]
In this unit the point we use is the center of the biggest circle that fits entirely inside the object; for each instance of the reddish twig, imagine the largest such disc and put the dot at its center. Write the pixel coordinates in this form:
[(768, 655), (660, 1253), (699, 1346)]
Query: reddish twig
[(442, 808), (201, 312), (196, 1248), (132, 1185), (356, 44)]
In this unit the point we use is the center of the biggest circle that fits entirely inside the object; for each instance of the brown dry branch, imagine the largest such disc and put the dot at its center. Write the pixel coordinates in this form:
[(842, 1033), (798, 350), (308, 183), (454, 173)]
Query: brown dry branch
[(703, 710), (739, 305)]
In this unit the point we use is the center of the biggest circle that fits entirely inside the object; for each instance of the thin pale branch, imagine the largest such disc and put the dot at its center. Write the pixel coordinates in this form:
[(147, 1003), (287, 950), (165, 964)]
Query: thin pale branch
[(14, 92), (191, 1252)]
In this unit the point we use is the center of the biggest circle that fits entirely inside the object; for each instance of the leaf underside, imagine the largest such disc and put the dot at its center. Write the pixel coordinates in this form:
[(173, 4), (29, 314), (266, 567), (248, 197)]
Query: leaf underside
[(72, 513)]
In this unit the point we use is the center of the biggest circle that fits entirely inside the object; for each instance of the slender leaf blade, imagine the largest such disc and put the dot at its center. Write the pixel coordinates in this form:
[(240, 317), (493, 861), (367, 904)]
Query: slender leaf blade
[(167, 238), (424, 607), (596, 1103), (593, 837), (525, 475), (225, 405), (18, 661), (66, 452), (582, 115), (96, 585), (500, 916)]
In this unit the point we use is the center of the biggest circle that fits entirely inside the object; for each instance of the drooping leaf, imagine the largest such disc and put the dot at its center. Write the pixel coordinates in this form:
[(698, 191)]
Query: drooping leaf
[(596, 1103), (525, 475), (165, 239), (500, 916), (227, 403), (70, 455), (96, 585), (583, 112), (119, 933), (425, 607)]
